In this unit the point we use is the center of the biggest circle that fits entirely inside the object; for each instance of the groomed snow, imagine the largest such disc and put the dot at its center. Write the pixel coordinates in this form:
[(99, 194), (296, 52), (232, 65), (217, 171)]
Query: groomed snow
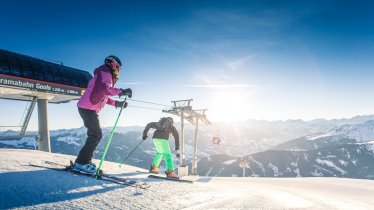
[(27, 187)]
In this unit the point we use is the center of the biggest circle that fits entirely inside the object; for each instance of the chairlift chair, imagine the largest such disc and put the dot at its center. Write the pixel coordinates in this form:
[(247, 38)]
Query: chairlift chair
[(216, 140)]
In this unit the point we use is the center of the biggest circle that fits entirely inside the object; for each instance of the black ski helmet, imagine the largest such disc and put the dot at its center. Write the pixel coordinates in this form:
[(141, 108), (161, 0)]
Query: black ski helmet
[(165, 122), (113, 58)]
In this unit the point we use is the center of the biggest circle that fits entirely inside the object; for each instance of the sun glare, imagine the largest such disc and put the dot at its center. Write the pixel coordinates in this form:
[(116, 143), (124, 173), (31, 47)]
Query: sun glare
[(229, 105)]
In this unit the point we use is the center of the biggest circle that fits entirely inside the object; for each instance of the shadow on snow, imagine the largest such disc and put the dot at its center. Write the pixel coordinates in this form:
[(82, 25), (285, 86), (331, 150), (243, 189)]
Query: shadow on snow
[(27, 188)]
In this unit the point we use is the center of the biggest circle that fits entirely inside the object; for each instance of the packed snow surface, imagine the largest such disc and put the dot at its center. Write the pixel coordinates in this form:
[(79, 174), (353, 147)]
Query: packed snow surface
[(27, 187)]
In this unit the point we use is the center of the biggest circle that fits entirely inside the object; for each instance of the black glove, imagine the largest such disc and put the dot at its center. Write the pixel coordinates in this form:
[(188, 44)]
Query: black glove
[(120, 104), (145, 138), (125, 92), (178, 153)]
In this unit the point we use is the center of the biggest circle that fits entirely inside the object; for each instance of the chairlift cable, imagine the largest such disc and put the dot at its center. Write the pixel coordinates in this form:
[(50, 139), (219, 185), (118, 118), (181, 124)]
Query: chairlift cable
[(147, 102), (158, 104), (142, 107)]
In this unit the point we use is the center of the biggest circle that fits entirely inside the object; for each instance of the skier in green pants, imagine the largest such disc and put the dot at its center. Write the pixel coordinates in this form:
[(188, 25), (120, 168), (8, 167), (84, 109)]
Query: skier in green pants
[(161, 141)]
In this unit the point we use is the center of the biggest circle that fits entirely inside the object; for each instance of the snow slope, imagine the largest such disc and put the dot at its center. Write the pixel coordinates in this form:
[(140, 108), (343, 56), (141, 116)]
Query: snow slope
[(27, 187)]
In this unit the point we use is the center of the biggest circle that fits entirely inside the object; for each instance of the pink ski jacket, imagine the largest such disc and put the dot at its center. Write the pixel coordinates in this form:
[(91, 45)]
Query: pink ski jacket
[(100, 87)]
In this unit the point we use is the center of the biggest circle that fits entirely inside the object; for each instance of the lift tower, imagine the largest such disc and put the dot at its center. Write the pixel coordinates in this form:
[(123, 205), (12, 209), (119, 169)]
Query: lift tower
[(180, 108), (193, 118), (183, 109)]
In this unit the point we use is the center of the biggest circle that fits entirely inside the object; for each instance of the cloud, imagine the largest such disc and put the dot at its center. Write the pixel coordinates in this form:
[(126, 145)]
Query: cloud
[(212, 31), (239, 63)]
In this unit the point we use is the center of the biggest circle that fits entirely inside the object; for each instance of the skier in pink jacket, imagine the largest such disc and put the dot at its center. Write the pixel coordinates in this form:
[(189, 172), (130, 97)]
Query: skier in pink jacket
[(96, 96)]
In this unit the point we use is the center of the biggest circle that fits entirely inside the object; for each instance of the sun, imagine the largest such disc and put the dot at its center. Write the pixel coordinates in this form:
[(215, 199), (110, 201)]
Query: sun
[(229, 105)]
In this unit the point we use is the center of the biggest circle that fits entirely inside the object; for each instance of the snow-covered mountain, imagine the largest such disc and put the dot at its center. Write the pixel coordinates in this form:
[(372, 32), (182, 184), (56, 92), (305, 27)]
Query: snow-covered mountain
[(239, 140), (345, 134), (251, 136), (26, 142), (360, 132), (349, 160)]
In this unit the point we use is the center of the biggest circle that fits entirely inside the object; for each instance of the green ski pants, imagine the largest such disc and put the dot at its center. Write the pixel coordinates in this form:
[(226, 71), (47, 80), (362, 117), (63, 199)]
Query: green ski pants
[(163, 151)]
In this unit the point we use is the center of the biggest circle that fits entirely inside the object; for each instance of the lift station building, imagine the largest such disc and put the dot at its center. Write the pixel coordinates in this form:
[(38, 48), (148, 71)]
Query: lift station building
[(40, 82)]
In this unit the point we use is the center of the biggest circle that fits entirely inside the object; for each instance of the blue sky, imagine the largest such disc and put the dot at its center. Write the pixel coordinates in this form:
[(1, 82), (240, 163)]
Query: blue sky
[(271, 60)]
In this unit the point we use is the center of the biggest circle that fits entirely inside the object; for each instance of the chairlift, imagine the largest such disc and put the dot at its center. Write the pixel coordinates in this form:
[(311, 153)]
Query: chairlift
[(216, 140)]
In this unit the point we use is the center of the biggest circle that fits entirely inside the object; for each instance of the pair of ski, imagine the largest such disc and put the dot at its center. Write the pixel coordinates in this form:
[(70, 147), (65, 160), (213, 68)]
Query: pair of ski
[(155, 176), (101, 176), (121, 180), (170, 179), (159, 176), (107, 177)]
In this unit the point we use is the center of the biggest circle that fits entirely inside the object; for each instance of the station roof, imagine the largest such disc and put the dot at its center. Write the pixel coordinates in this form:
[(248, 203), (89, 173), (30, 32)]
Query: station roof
[(22, 77)]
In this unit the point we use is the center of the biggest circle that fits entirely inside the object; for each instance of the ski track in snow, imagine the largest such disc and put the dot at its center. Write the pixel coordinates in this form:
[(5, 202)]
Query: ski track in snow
[(27, 187)]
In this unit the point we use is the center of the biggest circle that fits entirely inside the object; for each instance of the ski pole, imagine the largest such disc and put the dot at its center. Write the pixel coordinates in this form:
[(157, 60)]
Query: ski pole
[(119, 165), (107, 144)]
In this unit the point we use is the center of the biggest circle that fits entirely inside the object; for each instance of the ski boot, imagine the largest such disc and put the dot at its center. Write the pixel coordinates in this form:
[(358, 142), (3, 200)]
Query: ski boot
[(89, 168), (154, 170), (171, 174)]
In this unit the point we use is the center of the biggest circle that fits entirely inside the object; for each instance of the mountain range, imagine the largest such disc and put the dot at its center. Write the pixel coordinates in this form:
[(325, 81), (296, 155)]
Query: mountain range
[(292, 148)]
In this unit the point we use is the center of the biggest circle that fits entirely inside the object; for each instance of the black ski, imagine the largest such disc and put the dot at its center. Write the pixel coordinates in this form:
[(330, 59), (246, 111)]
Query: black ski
[(170, 179), (142, 185), (145, 172), (101, 176)]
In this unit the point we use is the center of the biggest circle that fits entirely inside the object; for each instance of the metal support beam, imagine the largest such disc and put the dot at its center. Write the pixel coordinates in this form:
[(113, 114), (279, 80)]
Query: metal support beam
[(183, 152), (194, 157), (244, 164), (29, 110), (25, 121), (183, 168), (180, 108), (44, 140)]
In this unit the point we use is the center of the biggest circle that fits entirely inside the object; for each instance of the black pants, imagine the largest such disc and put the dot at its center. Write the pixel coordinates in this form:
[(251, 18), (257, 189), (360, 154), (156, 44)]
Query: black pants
[(94, 135)]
